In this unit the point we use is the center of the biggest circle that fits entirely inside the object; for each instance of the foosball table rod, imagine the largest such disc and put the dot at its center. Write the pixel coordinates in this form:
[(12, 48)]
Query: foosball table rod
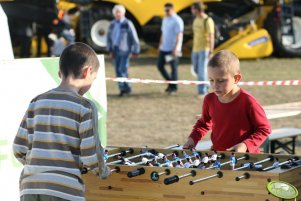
[(246, 175), (245, 157), (122, 153), (219, 174), (291, 160), (270, 158), (176, 178), (85, 170)]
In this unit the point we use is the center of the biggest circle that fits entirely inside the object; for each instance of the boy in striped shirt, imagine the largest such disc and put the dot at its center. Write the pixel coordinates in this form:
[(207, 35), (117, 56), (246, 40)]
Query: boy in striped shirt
[(58, 134)]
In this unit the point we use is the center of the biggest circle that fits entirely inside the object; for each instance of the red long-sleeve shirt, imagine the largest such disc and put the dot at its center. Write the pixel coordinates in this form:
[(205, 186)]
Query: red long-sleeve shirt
[(241, 120)]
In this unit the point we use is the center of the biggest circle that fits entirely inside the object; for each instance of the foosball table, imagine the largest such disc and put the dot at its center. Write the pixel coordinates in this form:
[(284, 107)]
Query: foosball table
[(159, 174)]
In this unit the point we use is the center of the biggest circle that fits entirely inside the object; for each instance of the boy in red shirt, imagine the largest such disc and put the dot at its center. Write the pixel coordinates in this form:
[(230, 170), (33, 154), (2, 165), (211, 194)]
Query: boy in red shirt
[(235, 117)]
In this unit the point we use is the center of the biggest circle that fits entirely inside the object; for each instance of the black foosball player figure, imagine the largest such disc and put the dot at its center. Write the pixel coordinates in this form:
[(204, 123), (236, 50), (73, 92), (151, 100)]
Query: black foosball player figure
[(210, 164), (233, 161), (156, 163), (148, 163), (179, 164)]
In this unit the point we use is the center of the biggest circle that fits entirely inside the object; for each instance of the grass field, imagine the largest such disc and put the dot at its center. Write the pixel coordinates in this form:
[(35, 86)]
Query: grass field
[(150, 117)]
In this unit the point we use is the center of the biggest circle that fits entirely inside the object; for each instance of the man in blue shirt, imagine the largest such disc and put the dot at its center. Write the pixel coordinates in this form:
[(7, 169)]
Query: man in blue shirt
[(122, 41), (170, 46)]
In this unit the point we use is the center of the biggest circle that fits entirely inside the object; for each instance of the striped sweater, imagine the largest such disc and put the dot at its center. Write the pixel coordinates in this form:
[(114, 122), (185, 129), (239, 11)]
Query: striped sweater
[(56, 138)]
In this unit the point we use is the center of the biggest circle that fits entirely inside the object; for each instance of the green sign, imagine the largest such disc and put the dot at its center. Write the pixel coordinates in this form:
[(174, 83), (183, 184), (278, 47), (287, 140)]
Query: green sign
[(282, 190)]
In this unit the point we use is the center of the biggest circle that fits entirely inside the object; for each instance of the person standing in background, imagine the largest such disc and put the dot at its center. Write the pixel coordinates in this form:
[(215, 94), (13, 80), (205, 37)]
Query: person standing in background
[(122, 40), (203, 44), (170, 46)]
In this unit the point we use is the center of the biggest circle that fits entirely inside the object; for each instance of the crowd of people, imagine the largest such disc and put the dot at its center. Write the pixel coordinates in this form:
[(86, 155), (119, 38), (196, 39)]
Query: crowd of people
[(122, 42), (57, 35)]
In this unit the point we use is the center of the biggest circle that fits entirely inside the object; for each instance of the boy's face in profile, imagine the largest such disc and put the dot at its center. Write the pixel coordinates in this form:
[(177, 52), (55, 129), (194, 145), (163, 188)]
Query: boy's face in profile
[(89, 75), (222, 82)]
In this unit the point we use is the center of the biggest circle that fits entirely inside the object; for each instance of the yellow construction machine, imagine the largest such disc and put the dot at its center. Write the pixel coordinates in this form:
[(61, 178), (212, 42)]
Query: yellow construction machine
[(250, 28)]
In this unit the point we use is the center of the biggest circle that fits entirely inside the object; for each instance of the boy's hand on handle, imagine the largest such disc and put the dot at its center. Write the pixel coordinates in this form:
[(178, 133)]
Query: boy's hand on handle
[(240, 147), (189, 143)]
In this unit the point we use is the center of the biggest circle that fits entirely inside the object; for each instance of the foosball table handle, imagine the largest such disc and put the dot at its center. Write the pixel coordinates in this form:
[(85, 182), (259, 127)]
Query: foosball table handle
[(137, 172), (171, 180)]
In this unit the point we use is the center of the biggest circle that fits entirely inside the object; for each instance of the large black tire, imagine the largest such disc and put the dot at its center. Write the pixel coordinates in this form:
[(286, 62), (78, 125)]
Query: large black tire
[(283, 46), (100, 19)]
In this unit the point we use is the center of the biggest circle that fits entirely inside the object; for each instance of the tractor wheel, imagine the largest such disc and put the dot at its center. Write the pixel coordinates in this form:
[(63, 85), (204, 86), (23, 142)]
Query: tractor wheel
[(284, 46), (101, 19)]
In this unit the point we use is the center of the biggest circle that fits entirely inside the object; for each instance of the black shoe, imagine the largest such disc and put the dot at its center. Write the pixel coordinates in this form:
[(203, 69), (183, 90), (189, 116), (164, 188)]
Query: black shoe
[(172, 92), (167, 90), (124, 93)]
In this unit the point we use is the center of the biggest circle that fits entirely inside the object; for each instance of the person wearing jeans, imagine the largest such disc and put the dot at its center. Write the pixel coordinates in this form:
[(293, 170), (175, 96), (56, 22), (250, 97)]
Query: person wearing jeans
[(170, 46), (203, 44), (174, 69), (122, 41), (121, 63), (200, 61)]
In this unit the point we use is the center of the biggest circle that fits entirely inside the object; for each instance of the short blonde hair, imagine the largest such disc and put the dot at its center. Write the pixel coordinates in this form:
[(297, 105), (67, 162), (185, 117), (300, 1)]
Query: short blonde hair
[(226, 60), (119, 7)]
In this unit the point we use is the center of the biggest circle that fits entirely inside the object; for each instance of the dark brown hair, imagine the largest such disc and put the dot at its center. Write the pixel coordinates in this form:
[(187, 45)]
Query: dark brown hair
[(168, 5), (198, 6), (75, 57)]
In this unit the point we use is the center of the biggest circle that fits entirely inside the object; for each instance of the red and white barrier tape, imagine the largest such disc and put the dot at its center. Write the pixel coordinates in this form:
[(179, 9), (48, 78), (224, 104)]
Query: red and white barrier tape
[(188, 82)]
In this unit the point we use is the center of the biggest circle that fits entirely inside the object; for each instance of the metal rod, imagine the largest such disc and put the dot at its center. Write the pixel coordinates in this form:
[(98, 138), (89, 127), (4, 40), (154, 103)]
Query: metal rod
[(283, 163), (270, 158), (128, 158), (172, 146), (122, 153), (256, 163), (246, 175), (176, 178), (185, 175), (246, 156), (219, 174)]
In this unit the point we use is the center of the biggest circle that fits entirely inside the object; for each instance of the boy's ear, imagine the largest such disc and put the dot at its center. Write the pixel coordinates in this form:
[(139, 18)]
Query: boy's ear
[(86, 70), (237, 78)]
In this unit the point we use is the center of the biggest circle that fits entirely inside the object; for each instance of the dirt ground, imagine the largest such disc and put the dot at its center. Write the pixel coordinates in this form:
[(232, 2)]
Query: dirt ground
[(151, 117)]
